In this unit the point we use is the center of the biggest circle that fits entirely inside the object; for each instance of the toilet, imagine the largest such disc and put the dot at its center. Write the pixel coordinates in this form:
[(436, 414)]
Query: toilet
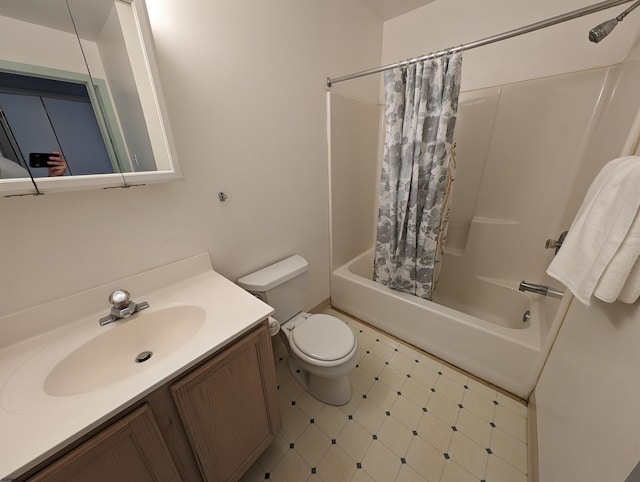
[(322, 349)]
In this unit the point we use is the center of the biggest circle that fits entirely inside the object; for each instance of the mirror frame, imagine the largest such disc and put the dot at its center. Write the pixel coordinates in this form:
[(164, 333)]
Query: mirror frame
[(141, 53)]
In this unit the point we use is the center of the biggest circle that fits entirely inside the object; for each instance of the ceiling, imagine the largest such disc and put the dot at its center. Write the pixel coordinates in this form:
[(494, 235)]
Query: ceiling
[(89, 15), (387, 9)]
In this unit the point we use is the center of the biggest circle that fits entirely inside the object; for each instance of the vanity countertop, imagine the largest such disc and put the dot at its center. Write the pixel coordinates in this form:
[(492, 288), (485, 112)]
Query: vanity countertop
[(35, 425)]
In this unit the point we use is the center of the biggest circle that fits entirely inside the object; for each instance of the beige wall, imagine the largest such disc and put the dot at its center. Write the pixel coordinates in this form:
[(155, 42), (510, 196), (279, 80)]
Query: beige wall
[(551, 51), (354, 126), (245, 89)]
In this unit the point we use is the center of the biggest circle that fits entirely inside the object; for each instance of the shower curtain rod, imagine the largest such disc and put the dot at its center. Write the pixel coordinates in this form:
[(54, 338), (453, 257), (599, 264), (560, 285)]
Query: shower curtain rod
[(488, 40)]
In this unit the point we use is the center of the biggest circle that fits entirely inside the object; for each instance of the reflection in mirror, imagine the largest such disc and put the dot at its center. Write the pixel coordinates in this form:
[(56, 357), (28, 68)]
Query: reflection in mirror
[(40, 52), (117, 44), (78, 82)]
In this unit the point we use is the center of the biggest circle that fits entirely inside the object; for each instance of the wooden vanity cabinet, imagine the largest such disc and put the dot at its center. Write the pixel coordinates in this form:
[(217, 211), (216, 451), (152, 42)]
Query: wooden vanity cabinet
[(130, 449), (210, 424), (228, 407)]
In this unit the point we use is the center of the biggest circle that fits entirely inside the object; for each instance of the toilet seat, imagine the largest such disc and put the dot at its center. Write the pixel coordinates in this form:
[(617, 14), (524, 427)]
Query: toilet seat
[(324, 338)]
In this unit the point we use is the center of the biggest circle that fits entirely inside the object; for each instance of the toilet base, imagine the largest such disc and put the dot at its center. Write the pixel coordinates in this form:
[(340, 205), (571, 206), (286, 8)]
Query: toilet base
[(332, 391)]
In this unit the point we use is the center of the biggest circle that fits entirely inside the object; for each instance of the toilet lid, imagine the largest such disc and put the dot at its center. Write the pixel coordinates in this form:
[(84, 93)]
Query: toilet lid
[(323, 337)]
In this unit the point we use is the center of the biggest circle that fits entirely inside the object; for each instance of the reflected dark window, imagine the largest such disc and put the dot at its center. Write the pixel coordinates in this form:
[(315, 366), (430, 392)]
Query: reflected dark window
[(45, 115)]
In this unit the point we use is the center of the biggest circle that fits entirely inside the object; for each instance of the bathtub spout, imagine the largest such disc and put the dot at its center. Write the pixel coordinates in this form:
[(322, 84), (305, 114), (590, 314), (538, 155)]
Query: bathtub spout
[(540, 289)]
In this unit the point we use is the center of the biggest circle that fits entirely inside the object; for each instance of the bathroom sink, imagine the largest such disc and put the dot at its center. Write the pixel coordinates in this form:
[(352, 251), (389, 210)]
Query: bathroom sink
[(124, 349)]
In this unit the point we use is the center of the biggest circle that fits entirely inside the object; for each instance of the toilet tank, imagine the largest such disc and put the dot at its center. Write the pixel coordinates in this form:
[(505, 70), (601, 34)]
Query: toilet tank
[(283, 286)]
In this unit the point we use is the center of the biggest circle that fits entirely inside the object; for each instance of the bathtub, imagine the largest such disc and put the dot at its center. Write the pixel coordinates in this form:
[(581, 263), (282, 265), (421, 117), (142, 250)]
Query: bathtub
[(497, 347)]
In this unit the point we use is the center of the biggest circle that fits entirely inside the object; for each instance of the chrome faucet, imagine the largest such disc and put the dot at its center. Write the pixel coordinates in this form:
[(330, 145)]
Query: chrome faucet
[(540, 290), (122, 307)]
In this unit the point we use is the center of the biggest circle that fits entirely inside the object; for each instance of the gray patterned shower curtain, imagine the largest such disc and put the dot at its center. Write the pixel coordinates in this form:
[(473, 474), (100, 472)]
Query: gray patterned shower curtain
[(421, 102)]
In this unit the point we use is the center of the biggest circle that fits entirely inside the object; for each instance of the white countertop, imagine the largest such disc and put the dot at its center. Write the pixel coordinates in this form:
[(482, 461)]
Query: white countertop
[(35, 425)]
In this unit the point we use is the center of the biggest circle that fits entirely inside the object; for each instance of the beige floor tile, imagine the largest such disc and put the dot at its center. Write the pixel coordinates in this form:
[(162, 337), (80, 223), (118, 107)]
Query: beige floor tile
[(481, 406), (450, 389), (511, 423), (284, 403), (500, 471), (396, 436), (381, 463), (452, 373), (362, 476), (382, 395), (291, 468), (424, 374), (409, 444), (352, 405), (509, 449), (382, 351), (336, 466), (407, 474), (312, 445), (519, 408), (482, 389), (294, 424), (354, 440), (452, 472), (416, 392), (402, 362), (425, 459), (370, 416), (430, 362), (468, 454), (435, 431), (371, 364), (254, 474), (443, 408), (388, 340), (309, 404), (407, 412), (474, 427), (393, 378), (361, 380), (365, 341), (331, 420), (272, 455), (291, 388)]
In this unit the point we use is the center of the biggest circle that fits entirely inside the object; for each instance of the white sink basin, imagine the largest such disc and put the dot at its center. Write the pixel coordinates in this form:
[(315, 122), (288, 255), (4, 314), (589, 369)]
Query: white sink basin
[(111, 356)]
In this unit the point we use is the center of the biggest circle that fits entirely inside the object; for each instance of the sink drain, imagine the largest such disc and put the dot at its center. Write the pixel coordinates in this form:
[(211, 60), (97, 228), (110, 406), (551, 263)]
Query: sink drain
[(144, 356), (526, 317)]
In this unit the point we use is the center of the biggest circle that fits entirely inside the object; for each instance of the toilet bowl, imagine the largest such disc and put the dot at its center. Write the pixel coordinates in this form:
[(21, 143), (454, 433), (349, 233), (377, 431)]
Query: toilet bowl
[(322, 349), (322, 353)]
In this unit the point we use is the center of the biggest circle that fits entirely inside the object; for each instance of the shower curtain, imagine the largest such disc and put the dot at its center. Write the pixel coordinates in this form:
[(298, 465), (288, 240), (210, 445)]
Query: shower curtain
[(421, 101)]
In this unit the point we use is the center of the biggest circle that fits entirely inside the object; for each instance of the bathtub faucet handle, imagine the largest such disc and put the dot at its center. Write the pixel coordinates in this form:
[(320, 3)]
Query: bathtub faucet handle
[(556, 244)]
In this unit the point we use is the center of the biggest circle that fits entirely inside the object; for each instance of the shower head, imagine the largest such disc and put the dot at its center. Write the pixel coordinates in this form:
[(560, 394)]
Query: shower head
[(601, 31)]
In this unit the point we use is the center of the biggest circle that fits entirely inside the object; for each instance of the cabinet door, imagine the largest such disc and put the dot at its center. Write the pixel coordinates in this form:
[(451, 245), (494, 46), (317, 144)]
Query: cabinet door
[(130, 450), (229, 407)]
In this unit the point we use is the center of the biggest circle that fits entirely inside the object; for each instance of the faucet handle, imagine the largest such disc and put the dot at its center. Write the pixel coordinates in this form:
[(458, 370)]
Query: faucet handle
[(556, 244), (120, 298)]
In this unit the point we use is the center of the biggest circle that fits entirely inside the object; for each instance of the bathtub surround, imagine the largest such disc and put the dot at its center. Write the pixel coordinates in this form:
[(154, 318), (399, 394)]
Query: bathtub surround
[(417, 172)]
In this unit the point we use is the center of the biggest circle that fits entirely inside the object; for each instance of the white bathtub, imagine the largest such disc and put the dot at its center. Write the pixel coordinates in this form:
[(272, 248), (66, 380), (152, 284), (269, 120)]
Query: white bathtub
[(504, 352)]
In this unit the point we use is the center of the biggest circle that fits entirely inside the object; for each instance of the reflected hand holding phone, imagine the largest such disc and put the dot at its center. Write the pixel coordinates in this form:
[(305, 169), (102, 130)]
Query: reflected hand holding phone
[(54, 161)]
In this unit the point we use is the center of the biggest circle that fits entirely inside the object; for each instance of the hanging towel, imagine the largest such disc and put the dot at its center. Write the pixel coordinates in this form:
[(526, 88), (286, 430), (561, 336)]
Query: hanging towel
[(599, 255)]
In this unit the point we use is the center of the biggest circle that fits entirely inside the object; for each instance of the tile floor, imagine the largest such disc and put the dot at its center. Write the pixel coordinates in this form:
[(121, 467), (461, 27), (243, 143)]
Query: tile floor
[(410, 418)]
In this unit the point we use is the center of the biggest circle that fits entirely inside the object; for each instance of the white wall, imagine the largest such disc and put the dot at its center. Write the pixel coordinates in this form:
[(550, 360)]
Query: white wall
[(354, 126), (554, 50), (587, 397), (244, 83)]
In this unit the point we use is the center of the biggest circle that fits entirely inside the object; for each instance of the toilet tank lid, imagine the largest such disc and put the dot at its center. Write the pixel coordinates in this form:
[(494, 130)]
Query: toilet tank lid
[(273, 275)]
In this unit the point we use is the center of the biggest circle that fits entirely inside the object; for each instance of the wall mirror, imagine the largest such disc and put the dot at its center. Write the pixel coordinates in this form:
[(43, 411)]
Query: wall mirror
[(78, 78)]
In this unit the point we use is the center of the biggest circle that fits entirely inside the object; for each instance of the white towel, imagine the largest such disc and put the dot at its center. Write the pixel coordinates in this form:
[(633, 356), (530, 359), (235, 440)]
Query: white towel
[(599, 254)]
